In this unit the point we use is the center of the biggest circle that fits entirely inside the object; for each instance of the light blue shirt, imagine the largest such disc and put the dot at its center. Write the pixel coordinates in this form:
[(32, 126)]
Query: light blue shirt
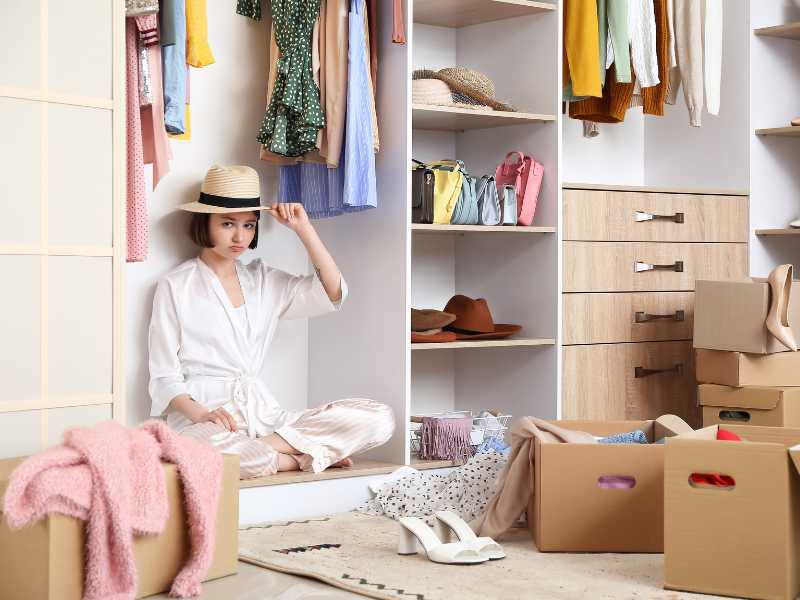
[(173, 60)]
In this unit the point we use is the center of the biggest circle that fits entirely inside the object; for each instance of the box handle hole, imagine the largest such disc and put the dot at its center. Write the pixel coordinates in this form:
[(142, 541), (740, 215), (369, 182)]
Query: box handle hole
[(715, 481), (741, 416), (616, 482)]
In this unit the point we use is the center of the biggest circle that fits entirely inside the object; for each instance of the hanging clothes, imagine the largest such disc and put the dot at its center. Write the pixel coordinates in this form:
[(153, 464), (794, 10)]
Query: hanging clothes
[(712, 54), (653, 98), (359, 156), (155, 141), (294, 114), (136, 205), (332, 33), (174, 73), (642, 32), (611, 107), (618, 40), (372, 18), (696, 25), (166, 22), (198, 52), (581, 52)]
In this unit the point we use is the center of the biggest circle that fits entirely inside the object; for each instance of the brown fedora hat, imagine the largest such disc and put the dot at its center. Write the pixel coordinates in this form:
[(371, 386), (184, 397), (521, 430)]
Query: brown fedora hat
[(474, 320), (428, 318), (442, 336)]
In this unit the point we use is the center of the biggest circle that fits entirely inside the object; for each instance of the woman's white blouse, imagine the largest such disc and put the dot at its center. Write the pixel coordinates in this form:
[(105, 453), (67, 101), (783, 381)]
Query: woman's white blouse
[(199, 347)]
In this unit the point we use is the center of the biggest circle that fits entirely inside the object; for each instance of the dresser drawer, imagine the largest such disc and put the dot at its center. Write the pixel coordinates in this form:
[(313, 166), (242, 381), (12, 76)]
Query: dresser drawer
[(647, 216), (627, 317), (600, 381), (625, 266)]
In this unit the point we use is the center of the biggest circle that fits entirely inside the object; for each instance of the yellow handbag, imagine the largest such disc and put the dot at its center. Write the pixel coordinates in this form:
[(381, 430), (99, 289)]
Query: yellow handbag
[(447, 189)]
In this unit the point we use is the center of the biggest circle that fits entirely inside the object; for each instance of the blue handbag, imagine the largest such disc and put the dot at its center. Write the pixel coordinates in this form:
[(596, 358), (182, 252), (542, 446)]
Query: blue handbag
[(489, 209), (466, 210)]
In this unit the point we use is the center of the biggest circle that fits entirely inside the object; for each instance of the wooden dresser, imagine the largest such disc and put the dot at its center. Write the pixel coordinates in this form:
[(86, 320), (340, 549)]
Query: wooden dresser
[(630, 259)]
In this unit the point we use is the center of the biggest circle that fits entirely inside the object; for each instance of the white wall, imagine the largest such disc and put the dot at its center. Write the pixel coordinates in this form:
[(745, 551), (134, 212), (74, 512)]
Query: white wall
[(775, 179), (228, 100), (616, 156)]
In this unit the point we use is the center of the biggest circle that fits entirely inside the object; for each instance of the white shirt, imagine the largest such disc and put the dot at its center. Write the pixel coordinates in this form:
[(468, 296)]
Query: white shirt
[(199, 347)]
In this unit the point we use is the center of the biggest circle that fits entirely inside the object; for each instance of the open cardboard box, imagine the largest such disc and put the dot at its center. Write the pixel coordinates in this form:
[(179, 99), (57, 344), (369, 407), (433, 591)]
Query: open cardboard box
[(571, 509), (752, 405), (731, 315), (738, 369), (740, 540), (45, 561)]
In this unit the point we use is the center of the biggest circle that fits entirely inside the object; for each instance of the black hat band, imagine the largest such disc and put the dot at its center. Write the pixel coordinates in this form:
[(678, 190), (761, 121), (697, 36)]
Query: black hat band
[(223, 202)]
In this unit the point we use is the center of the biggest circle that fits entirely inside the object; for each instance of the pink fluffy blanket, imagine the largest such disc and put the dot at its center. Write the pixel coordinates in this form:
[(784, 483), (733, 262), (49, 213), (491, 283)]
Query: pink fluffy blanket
[(111, 476)]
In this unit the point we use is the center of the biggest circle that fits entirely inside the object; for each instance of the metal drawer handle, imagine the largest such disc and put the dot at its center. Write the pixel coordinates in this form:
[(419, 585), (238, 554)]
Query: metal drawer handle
[(643, 317), (640, 372), (641, 215), (639, 267)]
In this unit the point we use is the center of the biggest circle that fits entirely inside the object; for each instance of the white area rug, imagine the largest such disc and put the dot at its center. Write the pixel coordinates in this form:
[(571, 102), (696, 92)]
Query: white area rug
[(358, 553)]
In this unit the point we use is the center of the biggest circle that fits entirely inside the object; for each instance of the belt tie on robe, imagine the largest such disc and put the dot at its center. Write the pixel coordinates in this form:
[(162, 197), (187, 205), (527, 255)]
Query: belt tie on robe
[(244, 400)]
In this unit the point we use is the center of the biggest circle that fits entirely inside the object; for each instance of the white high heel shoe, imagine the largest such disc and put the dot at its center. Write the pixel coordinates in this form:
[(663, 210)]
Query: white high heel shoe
[(449, 524), (414, 533)]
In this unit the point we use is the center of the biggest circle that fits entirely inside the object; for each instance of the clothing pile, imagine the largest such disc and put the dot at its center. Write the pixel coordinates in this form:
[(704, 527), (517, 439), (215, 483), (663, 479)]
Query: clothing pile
[(620, 54), (163, 39), (321, 123), (465, 491)]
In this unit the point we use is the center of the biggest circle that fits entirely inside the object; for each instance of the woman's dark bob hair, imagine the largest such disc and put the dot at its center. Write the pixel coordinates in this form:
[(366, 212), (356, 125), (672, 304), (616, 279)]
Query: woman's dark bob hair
[(198, 230)]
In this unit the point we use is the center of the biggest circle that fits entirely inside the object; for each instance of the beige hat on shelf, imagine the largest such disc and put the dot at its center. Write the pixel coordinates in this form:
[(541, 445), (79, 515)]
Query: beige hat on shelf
[(466, 86), (228, 190)]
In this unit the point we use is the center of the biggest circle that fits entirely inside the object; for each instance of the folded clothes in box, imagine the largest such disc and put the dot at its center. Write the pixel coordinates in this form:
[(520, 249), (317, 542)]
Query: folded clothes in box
[(601, 497)]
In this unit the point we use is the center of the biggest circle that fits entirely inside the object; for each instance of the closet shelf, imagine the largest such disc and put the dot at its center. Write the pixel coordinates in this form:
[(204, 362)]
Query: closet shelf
[(462, 13), (461, 229), (788, 30), (451, 118), (784, 131), (361, 467), (775, 232), (484, 344), (422, 465)]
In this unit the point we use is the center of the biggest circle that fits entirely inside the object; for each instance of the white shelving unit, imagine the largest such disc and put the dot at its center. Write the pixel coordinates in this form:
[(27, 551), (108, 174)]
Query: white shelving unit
[(516, 273), (393, 265)]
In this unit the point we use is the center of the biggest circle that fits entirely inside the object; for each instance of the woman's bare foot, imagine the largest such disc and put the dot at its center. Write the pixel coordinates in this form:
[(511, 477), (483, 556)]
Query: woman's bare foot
[(345, 462)]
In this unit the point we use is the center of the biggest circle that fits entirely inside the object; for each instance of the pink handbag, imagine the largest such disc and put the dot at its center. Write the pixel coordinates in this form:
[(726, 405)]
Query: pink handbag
[(525, 176)]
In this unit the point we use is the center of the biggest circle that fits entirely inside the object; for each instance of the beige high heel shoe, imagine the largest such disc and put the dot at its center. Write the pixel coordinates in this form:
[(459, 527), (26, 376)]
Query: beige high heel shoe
[(780, 285)]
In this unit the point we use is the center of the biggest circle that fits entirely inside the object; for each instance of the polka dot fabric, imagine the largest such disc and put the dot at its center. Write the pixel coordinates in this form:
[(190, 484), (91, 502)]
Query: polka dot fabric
[(136, 221), (294, 114), (249, 8), (465, 491)]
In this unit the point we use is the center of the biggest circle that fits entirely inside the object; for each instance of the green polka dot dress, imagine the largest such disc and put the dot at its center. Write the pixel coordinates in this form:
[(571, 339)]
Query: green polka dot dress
[(294, 114)]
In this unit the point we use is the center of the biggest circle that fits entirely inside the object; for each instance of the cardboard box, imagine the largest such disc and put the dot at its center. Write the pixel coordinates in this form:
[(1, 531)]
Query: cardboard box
[(571, 511), (45, 561), (735, 541), (731, 315), (767, 406), (737, 369)]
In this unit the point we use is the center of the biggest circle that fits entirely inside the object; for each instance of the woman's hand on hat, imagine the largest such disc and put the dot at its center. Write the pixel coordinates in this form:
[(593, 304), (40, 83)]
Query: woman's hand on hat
[(221, 417), (291, 214)]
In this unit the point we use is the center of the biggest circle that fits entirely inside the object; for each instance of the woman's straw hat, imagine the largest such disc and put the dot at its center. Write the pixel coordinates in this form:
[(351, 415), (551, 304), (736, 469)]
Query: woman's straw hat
[(227, 190), (466, 86)]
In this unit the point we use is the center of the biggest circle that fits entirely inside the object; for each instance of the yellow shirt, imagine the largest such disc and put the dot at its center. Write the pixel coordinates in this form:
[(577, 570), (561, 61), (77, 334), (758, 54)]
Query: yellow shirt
[(198, 52)]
